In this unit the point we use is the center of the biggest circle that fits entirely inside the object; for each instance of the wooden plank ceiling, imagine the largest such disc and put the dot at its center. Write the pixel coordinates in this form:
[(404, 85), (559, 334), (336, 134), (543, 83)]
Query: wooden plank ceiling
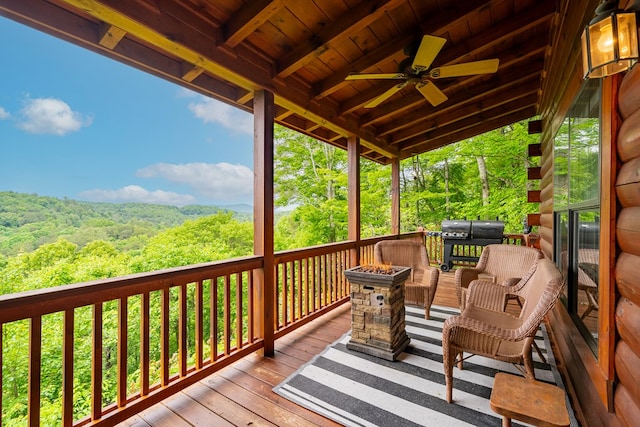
[(303, 50)]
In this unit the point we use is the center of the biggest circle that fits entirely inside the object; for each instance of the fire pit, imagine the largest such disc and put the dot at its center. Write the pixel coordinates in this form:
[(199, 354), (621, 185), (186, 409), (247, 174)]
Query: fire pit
[(377, 310)]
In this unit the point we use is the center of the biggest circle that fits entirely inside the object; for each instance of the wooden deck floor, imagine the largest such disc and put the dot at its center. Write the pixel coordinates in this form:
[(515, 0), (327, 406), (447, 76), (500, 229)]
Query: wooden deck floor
[(241, 394)]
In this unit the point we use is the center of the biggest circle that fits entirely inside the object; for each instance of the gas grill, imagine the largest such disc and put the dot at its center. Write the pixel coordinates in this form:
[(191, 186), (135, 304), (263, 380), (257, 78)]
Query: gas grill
[(468, 233)]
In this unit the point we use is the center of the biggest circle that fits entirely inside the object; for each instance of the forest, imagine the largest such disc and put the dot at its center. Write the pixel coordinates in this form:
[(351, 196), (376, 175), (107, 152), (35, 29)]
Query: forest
[(46, 242)]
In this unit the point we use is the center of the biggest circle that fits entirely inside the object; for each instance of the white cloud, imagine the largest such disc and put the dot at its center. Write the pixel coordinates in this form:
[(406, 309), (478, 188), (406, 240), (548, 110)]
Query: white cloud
[(4, 114), (221, 181), (50, 116), (212, 111), (134, 193)]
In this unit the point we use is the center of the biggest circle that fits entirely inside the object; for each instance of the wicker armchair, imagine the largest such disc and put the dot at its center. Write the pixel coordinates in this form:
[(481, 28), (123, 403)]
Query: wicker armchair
[(421, 286), (497, 334), (502, 264)]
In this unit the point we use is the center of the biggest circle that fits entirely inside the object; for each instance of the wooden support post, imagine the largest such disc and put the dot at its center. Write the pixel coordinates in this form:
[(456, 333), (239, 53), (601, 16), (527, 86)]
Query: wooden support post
[(353, 148), (395, 196), (265, 297)]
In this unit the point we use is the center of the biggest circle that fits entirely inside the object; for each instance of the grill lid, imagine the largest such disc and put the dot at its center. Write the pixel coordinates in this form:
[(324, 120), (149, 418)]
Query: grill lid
[(456, 229), (490, 229)]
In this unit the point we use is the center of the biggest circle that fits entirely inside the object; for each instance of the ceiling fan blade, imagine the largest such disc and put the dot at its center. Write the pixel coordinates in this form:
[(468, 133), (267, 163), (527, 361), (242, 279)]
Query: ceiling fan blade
[(431, 93), (386, 95), (429, 48), (466, 69), (364, 76)]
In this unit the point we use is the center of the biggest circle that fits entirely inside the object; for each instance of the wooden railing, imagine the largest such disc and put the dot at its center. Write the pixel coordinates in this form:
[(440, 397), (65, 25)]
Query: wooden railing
[(435, 248), (126, 343)]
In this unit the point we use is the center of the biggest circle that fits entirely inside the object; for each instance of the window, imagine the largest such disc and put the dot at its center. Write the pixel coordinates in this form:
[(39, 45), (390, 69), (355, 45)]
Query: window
[(577, 208)]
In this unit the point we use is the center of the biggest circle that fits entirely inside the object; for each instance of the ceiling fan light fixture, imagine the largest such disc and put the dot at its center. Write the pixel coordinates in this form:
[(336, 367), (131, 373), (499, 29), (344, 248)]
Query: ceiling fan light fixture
[(609, 42)]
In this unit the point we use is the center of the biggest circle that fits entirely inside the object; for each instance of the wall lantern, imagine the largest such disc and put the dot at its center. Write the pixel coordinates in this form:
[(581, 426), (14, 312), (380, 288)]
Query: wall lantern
[(609, 42)]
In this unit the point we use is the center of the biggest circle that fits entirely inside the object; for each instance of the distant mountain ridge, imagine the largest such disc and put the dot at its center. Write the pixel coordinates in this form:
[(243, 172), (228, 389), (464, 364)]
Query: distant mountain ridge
[(29, 220)]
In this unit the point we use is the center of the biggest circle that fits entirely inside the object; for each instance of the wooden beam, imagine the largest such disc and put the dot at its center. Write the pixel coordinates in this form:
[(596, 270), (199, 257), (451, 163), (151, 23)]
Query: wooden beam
[(353, 194), (534, 126), (110, 35), (249, 18), (609, 210), (527, 101), (263, 152), (476, 106), (534, 172), (190, 72), (480, 128), (533, 196), (533, 219), (357, 19), (534, 150)]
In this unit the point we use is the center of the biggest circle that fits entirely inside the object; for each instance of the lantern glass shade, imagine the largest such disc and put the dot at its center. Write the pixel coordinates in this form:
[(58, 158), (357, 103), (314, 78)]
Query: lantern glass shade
[(610, 45)]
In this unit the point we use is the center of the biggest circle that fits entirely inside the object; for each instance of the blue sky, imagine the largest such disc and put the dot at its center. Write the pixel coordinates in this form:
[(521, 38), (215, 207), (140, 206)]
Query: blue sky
[(76, 124)]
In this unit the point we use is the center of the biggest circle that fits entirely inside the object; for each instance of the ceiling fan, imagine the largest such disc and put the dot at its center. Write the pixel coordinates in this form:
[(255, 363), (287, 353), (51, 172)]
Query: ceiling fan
[(415, 70)]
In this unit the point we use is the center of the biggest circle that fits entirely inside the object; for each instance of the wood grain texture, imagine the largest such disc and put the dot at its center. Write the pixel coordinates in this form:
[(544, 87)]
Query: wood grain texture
[(629, 137), (627, 278), (629, 99), (628, 323), (628, 230), (628, 369)]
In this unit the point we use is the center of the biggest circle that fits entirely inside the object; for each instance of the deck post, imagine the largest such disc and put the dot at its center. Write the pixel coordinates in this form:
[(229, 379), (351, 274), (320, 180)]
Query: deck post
[(395, 196), (353, 172), (263, 154)]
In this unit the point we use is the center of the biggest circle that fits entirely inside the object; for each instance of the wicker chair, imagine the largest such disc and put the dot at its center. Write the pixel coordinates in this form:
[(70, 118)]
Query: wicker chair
[(503, 264), (497, 334), (421, 286)]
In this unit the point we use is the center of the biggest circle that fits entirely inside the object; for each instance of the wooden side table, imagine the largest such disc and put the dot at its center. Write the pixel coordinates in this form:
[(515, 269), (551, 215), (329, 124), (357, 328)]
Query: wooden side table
[(528, 400)]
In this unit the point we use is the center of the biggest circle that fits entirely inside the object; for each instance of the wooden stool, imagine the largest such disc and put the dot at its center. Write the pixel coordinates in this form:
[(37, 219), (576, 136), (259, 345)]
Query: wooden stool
[(528, 400)]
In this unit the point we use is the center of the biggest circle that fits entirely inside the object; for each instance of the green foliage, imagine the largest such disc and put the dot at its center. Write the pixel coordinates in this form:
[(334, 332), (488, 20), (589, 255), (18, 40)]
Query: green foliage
[(445, 183), (311, 177), (28, 221)]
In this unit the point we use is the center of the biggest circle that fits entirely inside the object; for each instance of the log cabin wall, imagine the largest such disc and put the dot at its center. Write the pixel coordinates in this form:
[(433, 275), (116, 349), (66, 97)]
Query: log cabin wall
[(605, 390), (627, 312)]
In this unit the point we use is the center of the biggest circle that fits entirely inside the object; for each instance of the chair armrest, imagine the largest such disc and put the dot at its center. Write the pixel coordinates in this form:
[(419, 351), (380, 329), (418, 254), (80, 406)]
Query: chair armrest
[(455, 327), (463, 277), (487, 295), (430, 276), (512, 281)]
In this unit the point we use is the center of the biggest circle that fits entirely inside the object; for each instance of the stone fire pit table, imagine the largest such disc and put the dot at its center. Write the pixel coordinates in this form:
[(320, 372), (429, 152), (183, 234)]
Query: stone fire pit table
[(377, 312)]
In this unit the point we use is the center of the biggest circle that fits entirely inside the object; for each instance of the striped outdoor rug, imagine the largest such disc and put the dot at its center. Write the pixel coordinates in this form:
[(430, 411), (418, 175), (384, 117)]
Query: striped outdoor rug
[(357, 389)]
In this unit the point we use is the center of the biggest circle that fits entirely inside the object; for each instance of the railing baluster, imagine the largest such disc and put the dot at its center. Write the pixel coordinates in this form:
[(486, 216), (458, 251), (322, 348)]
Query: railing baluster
[(291, 278), (145, 331), (313, 284), (123, 314), (300, 311), (250, 308), (67, 369), (239, 334), (96, 370), (164, 346), (199, 324), (182, 330), (285, 293), (307, 288), (213, 318), (35, 359), (227, 315)]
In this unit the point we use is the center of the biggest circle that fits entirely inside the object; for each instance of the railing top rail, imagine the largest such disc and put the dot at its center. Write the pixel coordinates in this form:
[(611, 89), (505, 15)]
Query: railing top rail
[(289, 255), (32, 303)]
